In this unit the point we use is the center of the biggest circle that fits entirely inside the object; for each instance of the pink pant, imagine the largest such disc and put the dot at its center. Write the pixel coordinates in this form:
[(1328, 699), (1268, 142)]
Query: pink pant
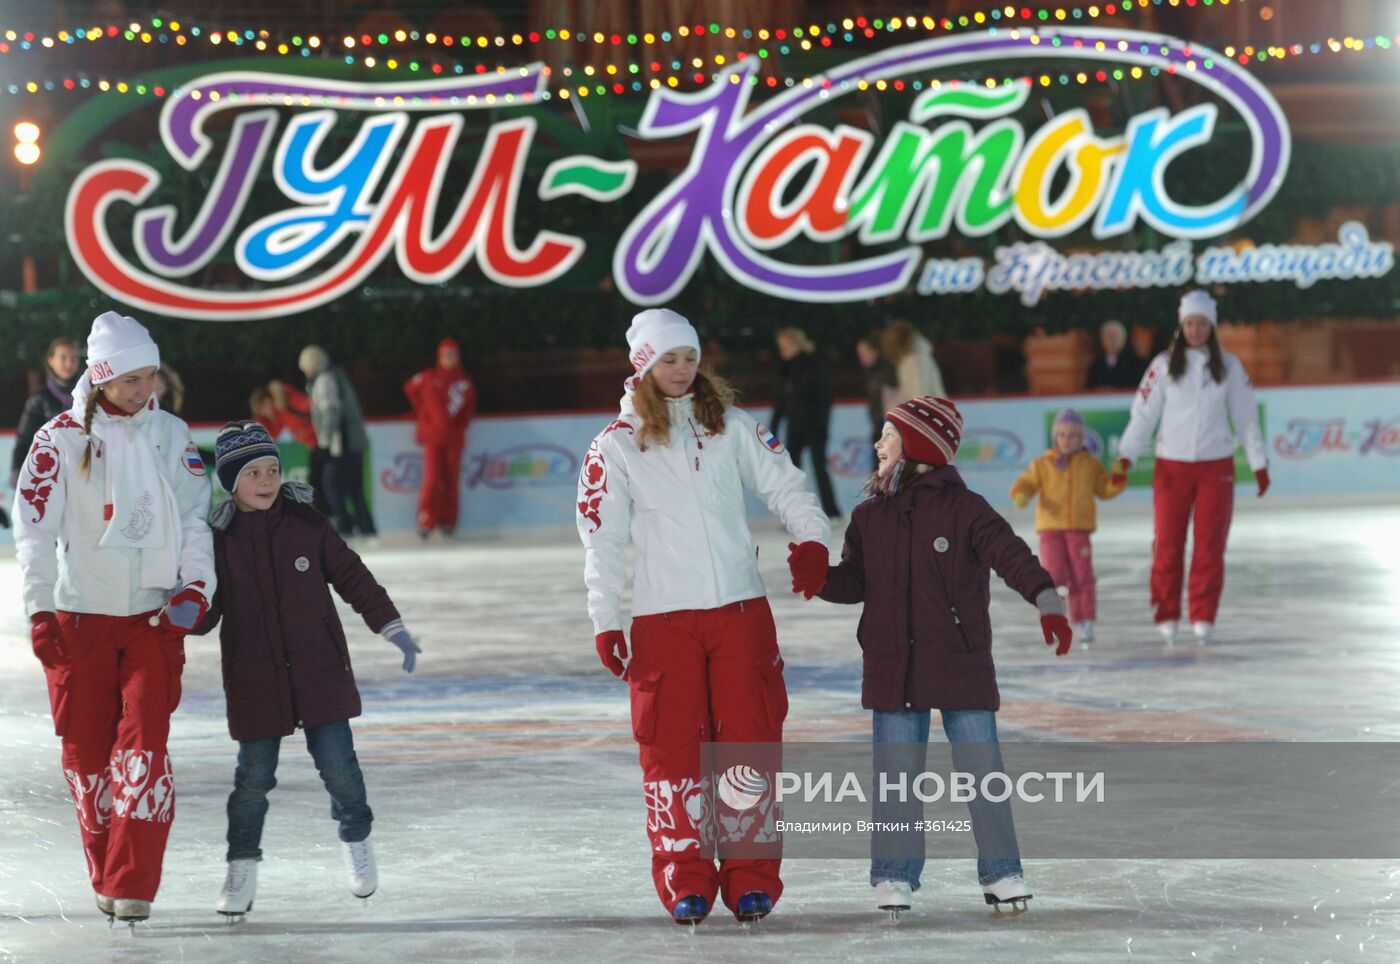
[(1068, 557)]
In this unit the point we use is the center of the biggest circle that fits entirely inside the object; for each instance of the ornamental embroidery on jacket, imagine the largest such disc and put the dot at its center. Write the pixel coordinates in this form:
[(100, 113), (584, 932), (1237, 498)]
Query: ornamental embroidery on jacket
[(41, 475), (141, 521), (593, 479), (1147, 386)]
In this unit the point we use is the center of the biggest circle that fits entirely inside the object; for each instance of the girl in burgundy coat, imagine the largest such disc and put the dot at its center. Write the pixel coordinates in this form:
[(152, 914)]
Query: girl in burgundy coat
[(286, 665), (918, 555)]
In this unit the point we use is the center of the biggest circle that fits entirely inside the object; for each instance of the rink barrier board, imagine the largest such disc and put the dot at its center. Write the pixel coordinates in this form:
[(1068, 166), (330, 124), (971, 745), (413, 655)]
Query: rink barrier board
[(522, 470)]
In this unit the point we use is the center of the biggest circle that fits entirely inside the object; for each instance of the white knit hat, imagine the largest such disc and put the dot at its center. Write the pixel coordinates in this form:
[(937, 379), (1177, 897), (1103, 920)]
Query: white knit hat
[(118, 344), (655, 332), (1196, 302)]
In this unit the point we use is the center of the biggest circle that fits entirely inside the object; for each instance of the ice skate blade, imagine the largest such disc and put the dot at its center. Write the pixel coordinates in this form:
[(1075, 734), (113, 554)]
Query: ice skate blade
[(894, 913), (1014, 907)]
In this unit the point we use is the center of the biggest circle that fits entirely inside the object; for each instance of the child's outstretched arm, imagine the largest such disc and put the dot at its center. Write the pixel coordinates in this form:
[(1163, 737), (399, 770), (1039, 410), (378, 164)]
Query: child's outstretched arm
[(354, 582), (1106, 484), (1025, 487), (845, 581), (999, 548)]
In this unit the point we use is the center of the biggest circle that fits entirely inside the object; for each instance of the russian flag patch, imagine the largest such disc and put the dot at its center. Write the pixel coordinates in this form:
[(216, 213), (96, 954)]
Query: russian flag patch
[(769, 440), (193, 463)]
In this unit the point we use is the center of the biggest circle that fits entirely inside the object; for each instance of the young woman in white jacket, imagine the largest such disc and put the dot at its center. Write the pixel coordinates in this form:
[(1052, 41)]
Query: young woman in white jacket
[(117, 565), (669, 475), (1190, 396)]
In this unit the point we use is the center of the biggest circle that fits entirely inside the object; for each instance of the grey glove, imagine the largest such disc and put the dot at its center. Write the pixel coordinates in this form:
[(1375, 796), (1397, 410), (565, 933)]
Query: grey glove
[(1049, 603), (395, 633)]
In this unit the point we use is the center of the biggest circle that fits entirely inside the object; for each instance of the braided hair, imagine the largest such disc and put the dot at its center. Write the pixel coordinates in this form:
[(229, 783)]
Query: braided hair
[(89, 409)]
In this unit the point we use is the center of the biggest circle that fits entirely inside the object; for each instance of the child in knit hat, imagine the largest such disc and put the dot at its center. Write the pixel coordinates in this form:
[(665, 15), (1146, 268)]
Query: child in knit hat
[(1068, 478), (918, 557), (286, 664)]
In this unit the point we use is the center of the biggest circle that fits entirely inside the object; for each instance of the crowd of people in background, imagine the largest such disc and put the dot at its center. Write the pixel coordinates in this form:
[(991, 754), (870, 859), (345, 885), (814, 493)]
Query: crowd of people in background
[(326, 419)]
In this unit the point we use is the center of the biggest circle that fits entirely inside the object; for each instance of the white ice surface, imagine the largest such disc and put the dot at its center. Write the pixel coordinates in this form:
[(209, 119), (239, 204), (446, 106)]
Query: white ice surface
[(508, 812)]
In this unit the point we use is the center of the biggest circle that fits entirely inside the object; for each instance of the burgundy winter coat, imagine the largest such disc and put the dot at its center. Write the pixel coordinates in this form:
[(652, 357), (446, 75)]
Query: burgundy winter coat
[(920, 562), (285, 661)]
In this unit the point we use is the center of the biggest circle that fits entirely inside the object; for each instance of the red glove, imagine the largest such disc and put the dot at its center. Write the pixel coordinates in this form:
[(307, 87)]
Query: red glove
[(48, 638), (1120, 472), (612, 650), (1056, 628), (808, 562), (185, 609), (1262, 477)]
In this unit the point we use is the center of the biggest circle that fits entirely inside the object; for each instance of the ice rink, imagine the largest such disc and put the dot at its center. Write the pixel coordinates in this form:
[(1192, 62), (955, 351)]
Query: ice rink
[(506, 791)]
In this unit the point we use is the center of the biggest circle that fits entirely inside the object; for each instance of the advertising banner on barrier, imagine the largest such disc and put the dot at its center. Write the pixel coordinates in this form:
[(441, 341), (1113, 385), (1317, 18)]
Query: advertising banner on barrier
[(523, 470)]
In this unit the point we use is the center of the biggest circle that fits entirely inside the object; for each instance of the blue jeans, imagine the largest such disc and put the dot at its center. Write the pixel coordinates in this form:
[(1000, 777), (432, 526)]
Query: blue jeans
[(901, 745), (332, 747)]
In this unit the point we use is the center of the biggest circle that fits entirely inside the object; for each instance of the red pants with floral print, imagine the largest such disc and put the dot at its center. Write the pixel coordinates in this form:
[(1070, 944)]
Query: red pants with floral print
[(112, 694), (697, 676)]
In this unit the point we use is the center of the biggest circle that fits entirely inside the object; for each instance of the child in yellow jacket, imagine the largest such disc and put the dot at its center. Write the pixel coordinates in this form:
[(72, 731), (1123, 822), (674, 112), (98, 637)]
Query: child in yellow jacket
[(1068, 479)]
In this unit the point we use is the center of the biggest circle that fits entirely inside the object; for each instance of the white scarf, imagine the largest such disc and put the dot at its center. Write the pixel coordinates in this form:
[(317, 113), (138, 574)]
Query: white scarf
[(145, 514)]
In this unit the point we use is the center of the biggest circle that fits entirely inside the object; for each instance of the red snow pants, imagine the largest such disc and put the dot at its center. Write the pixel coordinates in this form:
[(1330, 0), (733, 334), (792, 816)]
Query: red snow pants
[(1178, 489), (112, 695), (1069, 558), (437, 499), (702, 675)]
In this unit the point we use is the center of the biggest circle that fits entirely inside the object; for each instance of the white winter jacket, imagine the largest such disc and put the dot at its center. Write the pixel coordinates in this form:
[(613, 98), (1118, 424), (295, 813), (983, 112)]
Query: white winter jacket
[(1195, 413), (682, 506), (60, 515)]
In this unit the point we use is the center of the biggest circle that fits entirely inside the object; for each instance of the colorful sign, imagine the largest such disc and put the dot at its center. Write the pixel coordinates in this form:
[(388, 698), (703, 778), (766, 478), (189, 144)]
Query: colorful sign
[(967, 159)]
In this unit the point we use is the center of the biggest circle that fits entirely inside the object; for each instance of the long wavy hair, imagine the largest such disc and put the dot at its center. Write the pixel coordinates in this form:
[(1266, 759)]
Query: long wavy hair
[(1177, 366), (712, 396)]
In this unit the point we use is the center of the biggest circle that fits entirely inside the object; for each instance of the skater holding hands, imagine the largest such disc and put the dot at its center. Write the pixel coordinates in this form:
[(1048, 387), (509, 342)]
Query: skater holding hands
[(286, 665), (917, 556), (669, 476), (118, 485), (1191, 395), (1068, 479)]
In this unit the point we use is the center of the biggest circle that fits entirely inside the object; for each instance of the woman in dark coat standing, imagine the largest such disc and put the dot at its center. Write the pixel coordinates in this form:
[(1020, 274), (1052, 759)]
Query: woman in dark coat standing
[(56, 397), (804, 399)]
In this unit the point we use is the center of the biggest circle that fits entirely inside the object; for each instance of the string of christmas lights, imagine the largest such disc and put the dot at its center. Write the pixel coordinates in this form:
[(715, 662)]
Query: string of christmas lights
[(273, 40), (566, 82)]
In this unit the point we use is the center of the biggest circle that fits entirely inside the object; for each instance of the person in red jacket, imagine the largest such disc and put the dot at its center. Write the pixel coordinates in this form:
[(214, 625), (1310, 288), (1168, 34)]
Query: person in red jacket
[(917, 556), (444, 402)]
